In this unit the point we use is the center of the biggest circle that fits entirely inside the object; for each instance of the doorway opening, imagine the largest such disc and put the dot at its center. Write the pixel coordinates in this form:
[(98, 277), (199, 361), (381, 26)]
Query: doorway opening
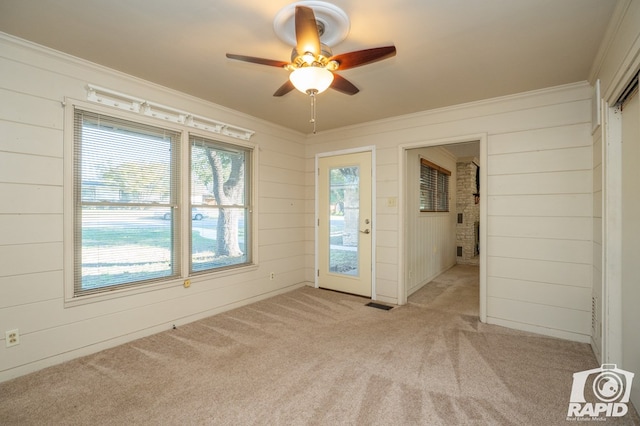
[(439, 235)]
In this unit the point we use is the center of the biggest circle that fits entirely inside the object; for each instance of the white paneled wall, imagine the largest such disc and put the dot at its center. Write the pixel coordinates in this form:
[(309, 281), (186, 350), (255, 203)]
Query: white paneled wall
[(34, 83), (386, 223), (431, 237), (540, 231), (538, 271)]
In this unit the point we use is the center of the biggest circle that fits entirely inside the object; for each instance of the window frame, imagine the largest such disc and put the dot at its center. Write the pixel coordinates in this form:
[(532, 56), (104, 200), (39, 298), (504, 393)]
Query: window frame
[(248, 203), (183, 216), (107, 205), (438, 172)]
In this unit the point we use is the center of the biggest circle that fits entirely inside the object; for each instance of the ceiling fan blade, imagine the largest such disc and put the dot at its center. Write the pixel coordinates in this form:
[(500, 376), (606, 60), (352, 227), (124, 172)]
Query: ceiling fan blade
[(284, 89), (343, 85), (261, 61), (363, 57), (307, 37)]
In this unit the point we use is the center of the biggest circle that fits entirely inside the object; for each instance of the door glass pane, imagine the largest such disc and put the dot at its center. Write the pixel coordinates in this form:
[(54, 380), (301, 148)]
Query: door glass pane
[(344, 219)]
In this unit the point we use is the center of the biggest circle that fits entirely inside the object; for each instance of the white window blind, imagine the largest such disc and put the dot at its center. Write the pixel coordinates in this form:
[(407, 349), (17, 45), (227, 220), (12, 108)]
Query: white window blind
[(434, 187), (126, 195)]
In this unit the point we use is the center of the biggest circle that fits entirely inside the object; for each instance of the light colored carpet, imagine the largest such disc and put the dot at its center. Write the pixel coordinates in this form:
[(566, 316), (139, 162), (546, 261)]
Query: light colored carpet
[(321, 358)]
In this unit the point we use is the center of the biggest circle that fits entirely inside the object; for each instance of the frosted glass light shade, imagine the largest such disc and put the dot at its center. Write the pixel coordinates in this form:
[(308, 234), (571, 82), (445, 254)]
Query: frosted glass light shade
[(314, 79)]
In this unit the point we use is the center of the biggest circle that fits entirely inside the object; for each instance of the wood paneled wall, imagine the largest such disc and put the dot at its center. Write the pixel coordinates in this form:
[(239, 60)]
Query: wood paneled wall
[(538, 198), (431, 237), (540, 229), (35, 81)]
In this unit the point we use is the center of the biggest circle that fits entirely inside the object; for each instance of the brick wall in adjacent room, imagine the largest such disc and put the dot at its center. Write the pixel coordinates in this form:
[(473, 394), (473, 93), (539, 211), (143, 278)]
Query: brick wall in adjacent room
[(466, 232)]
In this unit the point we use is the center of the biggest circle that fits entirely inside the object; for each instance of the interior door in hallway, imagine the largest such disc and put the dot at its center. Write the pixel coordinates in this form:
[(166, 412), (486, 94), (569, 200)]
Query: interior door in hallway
[(345, 223)]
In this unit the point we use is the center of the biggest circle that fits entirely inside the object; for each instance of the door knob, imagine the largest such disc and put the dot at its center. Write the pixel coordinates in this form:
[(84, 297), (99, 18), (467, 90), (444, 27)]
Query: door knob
[(366, 231)]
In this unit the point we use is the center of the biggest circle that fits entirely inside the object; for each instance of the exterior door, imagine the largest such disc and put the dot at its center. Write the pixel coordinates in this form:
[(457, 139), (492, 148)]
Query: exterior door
[(344, 223)]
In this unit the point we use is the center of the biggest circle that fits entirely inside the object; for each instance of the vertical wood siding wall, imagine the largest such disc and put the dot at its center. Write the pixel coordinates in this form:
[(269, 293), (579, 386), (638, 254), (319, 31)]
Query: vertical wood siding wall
[(431, 237)]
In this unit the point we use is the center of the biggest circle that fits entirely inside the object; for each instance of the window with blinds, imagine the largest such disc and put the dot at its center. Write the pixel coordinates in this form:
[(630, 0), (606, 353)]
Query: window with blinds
[(434, 187), (220, 204), (126, 177), (130, 205)]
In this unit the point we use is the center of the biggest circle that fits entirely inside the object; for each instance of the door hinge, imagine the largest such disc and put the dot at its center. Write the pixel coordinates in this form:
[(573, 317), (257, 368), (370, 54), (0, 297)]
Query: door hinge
[(318, 272), (318, 221)]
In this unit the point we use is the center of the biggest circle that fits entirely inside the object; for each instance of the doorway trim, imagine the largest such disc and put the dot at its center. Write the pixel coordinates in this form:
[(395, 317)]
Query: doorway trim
[(402, 160), (372, 150)]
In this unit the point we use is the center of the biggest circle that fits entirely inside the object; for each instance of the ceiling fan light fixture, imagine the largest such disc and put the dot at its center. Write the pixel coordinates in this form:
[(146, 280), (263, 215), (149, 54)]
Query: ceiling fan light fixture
[(312, 62), (311, 79), (309, 58)]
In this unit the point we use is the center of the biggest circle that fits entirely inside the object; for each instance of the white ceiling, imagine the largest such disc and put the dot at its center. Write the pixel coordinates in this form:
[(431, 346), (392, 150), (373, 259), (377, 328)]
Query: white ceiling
[(448, 51)]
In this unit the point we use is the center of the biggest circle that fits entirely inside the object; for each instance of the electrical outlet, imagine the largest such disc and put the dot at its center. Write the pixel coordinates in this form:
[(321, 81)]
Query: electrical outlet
[(272, 276), (13, 337)]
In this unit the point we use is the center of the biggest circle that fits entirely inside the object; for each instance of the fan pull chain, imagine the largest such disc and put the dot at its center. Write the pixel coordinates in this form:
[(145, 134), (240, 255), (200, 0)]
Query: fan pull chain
[(312, 94)]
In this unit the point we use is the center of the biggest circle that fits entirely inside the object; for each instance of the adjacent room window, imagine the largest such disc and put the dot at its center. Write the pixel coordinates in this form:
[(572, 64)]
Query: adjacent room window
[(434, 187), (220, 205), (144, 214), (126, 178)]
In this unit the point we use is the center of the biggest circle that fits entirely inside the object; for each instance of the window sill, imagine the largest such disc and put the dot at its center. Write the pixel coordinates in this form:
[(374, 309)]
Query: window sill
[(156, 286)]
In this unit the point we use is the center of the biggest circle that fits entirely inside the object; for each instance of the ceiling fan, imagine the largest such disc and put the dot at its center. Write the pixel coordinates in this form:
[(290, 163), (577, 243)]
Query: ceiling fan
[(313, 66)]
